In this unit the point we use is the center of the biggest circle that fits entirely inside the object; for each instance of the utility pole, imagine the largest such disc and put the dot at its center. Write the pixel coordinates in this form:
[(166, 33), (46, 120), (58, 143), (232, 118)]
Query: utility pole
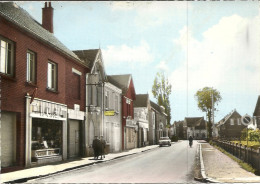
[(212, 96)]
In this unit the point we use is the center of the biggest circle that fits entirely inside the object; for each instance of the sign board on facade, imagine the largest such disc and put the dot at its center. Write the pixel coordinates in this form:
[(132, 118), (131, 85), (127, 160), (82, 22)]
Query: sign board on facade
[(109, 113), (246, 120), (73, 114), (46, 109), (130, 123)]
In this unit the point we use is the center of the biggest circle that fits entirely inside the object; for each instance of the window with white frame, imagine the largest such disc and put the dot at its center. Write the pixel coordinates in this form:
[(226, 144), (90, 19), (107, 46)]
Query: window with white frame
[(52, 76), (238, 121), (31, 67), (231, 121), (6, 56)]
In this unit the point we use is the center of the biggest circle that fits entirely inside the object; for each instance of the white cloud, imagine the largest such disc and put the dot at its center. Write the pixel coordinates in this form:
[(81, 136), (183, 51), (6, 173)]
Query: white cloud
[(227, 58), (163, 66), (151, 13), (139, 54)]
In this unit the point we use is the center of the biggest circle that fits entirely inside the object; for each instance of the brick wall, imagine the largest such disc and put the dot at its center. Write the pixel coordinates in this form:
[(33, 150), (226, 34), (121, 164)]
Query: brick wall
[(129, 94), (72, 87), (14, 89)]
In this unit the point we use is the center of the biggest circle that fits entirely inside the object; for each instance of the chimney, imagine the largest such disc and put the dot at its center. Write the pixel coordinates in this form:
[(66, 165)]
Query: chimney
[(47, 17)]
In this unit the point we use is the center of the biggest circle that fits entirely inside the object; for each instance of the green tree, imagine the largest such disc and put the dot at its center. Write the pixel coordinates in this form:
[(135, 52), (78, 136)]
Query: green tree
[(161, 91), (204, 98), (252, 135)]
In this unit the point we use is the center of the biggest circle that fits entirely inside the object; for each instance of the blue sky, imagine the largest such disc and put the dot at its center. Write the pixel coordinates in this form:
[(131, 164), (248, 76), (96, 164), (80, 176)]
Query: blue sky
[(215, 44)]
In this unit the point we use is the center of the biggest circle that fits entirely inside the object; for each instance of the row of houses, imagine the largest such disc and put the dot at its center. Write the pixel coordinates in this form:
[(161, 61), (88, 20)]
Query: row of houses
[(190, 126), (54, 101), (229, 127)]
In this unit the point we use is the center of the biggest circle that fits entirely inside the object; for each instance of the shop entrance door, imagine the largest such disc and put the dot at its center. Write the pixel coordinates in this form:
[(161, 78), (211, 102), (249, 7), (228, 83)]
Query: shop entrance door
[(73, 138)]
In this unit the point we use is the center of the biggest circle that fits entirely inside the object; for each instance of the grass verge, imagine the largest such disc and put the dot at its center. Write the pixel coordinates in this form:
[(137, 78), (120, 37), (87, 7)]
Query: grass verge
[(243, 164)]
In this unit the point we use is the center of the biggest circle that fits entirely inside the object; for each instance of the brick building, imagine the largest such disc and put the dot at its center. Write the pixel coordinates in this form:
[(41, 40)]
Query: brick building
[(230, 126), (33, 65)]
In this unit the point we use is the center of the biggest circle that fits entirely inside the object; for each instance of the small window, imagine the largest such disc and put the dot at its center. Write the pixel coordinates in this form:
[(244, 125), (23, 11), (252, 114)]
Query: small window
[(52, 76), (238, 121), (6, 57), (231, 121), (31, 67)]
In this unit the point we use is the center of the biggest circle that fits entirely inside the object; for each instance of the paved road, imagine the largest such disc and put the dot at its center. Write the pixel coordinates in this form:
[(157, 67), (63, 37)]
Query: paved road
[(161, 165)]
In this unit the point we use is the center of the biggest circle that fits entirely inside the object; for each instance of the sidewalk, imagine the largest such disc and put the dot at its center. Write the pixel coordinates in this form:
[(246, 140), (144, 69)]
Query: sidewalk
[(218, 167), (31, 173)]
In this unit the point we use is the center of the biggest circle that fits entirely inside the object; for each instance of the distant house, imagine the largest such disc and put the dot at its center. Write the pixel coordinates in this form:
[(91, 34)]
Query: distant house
[(172, 130), (160, 121), (142, 110), (256, 113), (179, 129), (195, 127), (129, 128), (230, 126)]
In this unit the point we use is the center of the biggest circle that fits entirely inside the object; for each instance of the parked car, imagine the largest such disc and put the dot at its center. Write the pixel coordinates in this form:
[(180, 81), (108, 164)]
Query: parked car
[(164, 141)]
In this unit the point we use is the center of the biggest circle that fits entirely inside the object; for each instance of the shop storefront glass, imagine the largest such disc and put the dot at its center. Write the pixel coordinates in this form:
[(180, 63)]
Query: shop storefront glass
[(46, 139)]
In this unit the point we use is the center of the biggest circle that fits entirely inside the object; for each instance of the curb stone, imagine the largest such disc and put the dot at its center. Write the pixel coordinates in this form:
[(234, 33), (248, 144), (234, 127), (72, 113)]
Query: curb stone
[(202, 169)]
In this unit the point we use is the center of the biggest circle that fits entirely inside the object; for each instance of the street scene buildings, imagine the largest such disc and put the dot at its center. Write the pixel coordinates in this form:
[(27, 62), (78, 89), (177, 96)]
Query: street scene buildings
[(58, 100)]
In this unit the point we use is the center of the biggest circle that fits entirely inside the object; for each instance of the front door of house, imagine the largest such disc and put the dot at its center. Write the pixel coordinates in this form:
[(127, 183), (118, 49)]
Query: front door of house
[(74, 138)]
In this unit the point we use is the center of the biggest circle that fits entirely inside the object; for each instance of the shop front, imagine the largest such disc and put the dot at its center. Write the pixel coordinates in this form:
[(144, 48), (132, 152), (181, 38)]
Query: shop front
[(46, 132), (130, 134), (143, 129)]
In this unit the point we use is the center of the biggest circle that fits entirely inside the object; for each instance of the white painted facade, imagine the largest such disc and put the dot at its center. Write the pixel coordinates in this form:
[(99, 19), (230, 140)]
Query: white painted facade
[(113, 123), (141, 117), (94, 123)]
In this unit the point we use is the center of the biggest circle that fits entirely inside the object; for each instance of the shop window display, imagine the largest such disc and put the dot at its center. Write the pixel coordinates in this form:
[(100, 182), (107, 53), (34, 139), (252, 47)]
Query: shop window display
[(46, 138)]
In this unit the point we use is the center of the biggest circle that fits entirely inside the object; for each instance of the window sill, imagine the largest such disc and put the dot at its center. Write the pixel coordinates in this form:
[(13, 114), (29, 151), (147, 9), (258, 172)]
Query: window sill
[(52, 90), (8, 77), (27, 83)]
